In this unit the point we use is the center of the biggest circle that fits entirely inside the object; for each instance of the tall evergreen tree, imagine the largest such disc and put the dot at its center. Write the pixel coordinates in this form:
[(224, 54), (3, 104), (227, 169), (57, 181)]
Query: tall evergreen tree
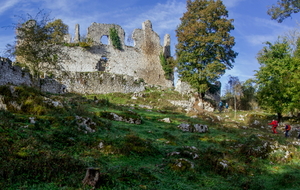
[(204, 49)]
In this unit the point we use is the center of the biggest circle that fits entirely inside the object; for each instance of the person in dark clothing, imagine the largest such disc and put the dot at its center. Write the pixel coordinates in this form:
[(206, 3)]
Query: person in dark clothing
[(226, 106), (287, 129), (298, 130), (220, 106)]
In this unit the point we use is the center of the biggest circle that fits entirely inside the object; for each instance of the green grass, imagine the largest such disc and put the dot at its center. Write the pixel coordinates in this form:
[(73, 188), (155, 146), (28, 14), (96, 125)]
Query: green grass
[(54, 152)]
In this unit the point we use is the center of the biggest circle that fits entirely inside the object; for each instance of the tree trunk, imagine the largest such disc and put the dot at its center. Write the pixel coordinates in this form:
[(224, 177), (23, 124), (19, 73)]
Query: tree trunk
[(92, 177), (279, 117), (201, 98)]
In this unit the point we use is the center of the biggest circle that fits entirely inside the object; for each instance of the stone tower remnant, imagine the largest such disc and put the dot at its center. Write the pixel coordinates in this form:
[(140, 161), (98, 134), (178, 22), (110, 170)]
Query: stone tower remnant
[(77, 34)]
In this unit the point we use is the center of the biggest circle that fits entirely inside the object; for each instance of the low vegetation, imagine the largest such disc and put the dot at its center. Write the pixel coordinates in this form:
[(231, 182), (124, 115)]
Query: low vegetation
[(48, 141)]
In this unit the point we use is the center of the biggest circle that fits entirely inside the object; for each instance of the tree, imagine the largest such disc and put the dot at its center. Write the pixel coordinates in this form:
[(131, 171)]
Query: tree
[(284, 9), (204, 49), (294, 73), (248, 100), (57, 30), (235, 89), (274, 77), (240, 95), (36, 42)]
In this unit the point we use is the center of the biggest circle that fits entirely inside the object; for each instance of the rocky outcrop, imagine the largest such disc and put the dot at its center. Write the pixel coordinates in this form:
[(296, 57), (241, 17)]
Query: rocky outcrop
[(185, 88)]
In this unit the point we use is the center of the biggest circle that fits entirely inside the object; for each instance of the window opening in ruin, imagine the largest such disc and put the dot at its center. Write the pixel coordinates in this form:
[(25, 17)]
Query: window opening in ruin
[(104, 40)]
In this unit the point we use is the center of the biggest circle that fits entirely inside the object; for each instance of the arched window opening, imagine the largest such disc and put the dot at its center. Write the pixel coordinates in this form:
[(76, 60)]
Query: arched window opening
[(104, 40)]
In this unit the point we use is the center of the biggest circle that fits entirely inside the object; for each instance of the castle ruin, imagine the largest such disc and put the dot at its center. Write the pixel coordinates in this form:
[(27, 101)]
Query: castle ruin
[(101, 68), (138, 61)]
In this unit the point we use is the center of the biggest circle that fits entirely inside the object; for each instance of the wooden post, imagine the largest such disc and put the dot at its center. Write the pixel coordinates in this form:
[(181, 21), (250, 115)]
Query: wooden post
[(92, 177)]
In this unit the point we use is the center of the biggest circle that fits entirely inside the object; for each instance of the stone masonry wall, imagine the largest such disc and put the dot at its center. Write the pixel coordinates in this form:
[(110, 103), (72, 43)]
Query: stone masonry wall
[(78, 82), (14, 75), (92, 83)]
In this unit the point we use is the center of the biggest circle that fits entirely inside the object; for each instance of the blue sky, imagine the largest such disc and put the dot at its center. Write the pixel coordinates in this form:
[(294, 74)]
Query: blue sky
[(253, 26)]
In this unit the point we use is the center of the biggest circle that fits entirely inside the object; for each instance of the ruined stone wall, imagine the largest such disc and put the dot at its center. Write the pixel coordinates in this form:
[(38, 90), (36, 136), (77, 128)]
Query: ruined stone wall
[(78, 82), (14, 75), (140, 61), (123, 70), (97, 30), (93, 83)]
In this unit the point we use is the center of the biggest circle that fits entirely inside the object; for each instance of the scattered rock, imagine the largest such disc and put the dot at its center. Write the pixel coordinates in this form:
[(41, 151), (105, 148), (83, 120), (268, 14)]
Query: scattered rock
[(146, 106), (256, 122), (101, 145), (15, 105), (86, 124), (166, 120), (136, 121), (32, 120), (197, 128), (182, 164), (224, 163), (53, 103)]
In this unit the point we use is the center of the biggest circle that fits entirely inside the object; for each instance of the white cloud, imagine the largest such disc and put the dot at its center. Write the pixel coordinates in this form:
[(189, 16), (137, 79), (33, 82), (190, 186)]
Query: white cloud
[(231, 3), (7, 4), (165, 16), (260, 39)]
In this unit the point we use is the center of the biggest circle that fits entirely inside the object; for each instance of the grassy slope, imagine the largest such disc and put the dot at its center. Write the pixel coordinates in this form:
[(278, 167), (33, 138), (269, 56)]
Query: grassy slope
[(54, 152)]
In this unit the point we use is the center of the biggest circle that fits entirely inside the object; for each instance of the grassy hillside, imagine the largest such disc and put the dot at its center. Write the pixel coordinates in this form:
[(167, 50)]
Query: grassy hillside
[(48, 142)]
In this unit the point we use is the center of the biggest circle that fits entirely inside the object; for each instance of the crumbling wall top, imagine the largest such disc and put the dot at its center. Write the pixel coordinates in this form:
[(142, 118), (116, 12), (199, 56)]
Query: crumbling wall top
[(147, 25), (97, 30)]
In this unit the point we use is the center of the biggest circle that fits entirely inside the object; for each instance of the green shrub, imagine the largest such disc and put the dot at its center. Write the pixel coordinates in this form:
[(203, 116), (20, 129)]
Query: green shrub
[(116, 42)]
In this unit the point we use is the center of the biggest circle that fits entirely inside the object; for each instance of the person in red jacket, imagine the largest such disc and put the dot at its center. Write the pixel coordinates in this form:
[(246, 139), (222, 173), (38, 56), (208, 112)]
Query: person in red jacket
[(274, 124)]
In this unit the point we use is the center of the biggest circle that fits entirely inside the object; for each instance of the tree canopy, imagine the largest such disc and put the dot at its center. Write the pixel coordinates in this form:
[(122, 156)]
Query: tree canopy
[(240, 95), (284, 9), (57, 30), (204, 49), (36, 42), (275, 76)]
